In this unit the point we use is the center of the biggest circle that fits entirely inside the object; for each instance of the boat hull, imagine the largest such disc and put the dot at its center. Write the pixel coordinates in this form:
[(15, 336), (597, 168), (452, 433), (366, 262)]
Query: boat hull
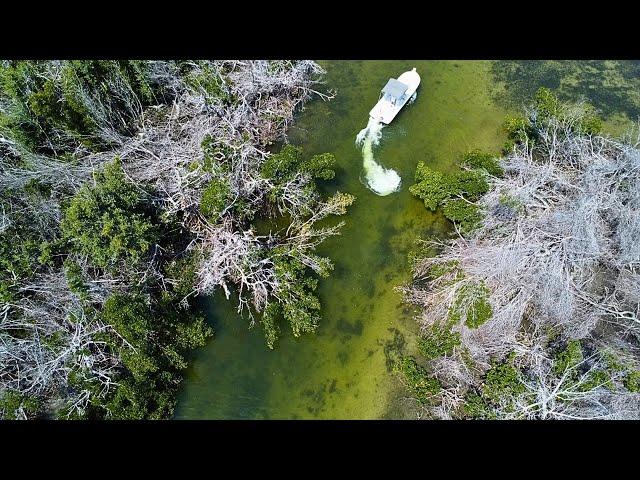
[(384, 111)]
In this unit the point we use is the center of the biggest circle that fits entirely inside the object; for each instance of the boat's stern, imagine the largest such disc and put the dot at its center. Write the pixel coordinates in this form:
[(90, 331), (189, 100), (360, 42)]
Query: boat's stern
[(383, 111)]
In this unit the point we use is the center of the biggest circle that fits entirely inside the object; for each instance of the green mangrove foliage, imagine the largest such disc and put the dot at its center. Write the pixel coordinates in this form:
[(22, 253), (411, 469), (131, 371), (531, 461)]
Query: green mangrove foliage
[(298, 305), (582, 120), (502, 384), (19, 258), (471, 304), (16, 406), (107, 221), (439, 341), (215, 198), (457, 193), (152, 342), (421, 385), (55, 107), (127, 189), (284, 165), (568, 359), (532, 313)]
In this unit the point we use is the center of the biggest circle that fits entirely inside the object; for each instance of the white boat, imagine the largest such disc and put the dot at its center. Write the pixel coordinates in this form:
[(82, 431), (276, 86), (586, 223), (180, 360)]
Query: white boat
[(395, 94)]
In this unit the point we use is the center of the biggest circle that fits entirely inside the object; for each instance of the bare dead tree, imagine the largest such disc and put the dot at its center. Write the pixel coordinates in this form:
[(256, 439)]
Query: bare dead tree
[(573, 395), (165, 154), (557, 248), (56, 337)]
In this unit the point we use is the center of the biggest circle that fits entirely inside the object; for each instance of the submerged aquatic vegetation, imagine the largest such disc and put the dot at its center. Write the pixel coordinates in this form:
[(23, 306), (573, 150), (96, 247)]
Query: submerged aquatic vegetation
[(609, 85)]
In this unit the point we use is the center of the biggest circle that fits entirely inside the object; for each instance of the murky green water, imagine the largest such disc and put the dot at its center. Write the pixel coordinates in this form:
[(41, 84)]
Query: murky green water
[(342, 371)]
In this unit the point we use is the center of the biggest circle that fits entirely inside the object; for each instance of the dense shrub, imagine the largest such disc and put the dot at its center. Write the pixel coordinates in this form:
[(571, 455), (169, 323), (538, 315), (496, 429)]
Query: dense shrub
[(632, 381), (568, 358), (502, 381), (486, 161), (152, 341), (215, 198), (419, 382), (108, 222), (17, 406), (438, 341), (298, 305), (456, 192), (471, 304), (282, 166)]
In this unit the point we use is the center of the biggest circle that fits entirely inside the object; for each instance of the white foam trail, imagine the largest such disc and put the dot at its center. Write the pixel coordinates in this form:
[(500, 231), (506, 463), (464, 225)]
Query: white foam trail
[(380, 180)]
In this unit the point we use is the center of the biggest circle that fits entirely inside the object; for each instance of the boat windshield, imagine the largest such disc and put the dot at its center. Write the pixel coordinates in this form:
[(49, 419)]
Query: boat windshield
[(394, 90)]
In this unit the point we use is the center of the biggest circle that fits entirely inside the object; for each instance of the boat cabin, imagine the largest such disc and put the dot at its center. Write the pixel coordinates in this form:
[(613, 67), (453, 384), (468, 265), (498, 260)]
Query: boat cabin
[(394, 91), (395, 95)]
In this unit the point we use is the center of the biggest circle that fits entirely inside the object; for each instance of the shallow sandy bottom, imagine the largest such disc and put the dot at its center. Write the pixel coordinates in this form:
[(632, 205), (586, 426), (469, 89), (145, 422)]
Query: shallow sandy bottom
[(342, 371)]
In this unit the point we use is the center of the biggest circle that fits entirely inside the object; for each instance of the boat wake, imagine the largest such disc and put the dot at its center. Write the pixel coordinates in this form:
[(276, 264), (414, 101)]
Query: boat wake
[(382, 181)]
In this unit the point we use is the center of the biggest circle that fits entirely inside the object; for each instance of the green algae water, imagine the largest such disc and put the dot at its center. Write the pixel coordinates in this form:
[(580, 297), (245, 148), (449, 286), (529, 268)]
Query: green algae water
[(343, 371)]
